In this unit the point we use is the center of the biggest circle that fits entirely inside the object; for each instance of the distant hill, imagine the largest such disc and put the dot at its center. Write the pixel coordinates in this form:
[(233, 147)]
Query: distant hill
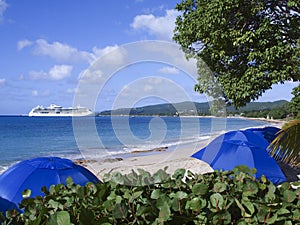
[(258, 106), (190, 108)]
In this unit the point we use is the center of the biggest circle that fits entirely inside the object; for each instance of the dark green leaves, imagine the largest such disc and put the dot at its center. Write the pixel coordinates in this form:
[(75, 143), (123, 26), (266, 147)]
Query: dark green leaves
[(247, 45), (229, 197)]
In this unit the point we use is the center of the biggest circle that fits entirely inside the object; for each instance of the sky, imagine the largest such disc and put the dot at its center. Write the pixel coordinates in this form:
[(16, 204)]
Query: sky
[(50, 49)]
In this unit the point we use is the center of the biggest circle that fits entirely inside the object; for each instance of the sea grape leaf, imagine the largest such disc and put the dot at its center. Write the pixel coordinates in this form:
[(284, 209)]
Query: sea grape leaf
[(155, 194), (69, 181), (200, 189), (179, 174), (250, 208), (181, 195), (60, 218), (250, 189), (219, 187), (120, 211), (195, 204), (289, 196), (164, 212), (217, 200)]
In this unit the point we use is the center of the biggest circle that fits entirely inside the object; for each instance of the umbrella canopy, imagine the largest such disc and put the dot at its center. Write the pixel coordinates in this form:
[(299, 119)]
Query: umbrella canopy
[(255, 138), (268, 133), (232, 153), (238, 135), (6, 205), (35, 173)]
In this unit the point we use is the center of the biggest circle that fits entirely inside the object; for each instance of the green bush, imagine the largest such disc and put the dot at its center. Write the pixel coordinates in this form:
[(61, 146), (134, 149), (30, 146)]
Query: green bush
[(229, 197)]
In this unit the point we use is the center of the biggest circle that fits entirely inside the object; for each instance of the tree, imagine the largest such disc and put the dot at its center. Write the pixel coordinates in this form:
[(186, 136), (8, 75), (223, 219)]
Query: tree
[(295, 102), (248, 45)]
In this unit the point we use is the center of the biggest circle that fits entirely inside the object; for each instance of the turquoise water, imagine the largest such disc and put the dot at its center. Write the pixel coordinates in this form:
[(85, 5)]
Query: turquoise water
[(24, 137)]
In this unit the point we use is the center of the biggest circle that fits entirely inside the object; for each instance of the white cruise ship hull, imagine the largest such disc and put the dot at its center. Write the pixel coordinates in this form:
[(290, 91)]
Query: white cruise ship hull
[(58, 111)]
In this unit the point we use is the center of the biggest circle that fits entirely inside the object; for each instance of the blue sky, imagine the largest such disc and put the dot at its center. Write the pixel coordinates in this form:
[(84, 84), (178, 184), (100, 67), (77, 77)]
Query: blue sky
[(46, 45)]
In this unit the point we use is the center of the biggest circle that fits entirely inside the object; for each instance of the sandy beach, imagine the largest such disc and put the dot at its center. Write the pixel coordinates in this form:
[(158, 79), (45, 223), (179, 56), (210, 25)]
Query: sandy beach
[(153, 160), (171, 158)]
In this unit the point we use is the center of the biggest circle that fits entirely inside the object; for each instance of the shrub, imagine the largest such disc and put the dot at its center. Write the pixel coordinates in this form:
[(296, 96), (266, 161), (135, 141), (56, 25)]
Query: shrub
[(228, 197)]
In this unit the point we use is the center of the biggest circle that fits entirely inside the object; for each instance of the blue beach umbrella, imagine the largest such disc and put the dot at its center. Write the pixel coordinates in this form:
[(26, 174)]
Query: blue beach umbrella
[(244, 135), (35, 173), (6, 205), (268, 133), (232, 153)]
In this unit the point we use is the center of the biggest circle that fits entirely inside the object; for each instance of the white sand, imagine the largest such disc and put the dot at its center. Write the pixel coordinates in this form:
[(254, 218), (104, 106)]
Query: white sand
[(178, 158)]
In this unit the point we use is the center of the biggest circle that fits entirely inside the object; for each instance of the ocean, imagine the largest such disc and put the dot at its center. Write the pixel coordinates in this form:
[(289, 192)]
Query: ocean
[(23, 137)]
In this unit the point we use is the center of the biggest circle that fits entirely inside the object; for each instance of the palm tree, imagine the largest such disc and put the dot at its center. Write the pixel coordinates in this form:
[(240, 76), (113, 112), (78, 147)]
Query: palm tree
[(286, 146)]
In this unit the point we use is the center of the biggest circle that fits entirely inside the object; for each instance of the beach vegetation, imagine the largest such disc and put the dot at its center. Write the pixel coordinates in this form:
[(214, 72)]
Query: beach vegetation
[(286, 146), (221, 197), (248, 45)]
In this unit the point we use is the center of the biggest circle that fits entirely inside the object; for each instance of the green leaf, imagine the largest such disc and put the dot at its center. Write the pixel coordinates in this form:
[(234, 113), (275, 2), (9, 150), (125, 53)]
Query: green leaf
[(195, 204), (179, 174), (289, 196), (219, 187), (181, 195), (143, 210), (283, 211), (60, 218), (161, 176), (91, 187), (155, 194), (69, 181), (118, 199), (217, 201), (164, 213), (200, 189), (53, 204), (120, 211), (250, 209), (137, 194), (272, 219), (26, 193), (250, 189)]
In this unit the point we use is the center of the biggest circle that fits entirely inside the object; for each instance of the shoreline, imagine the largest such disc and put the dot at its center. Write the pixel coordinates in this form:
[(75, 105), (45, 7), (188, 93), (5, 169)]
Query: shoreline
[(175, 157), (180, 157)]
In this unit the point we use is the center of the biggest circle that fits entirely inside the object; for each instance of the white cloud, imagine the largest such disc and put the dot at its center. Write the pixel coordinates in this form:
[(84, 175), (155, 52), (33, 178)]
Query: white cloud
[(2, 81), (90, 76), (110, 55), (162, 27), (61, 52), (169, 70), (24, 43), (3, 7), (57, 72), (98, 52), (65, 53), (106, 60)]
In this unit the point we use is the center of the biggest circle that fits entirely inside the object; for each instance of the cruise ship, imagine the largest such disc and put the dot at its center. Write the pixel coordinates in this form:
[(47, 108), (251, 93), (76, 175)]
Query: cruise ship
[(56, 110)]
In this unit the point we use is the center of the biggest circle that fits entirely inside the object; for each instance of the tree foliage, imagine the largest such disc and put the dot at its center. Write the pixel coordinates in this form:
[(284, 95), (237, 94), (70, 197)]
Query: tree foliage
[(248, 45), (295, 102)]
